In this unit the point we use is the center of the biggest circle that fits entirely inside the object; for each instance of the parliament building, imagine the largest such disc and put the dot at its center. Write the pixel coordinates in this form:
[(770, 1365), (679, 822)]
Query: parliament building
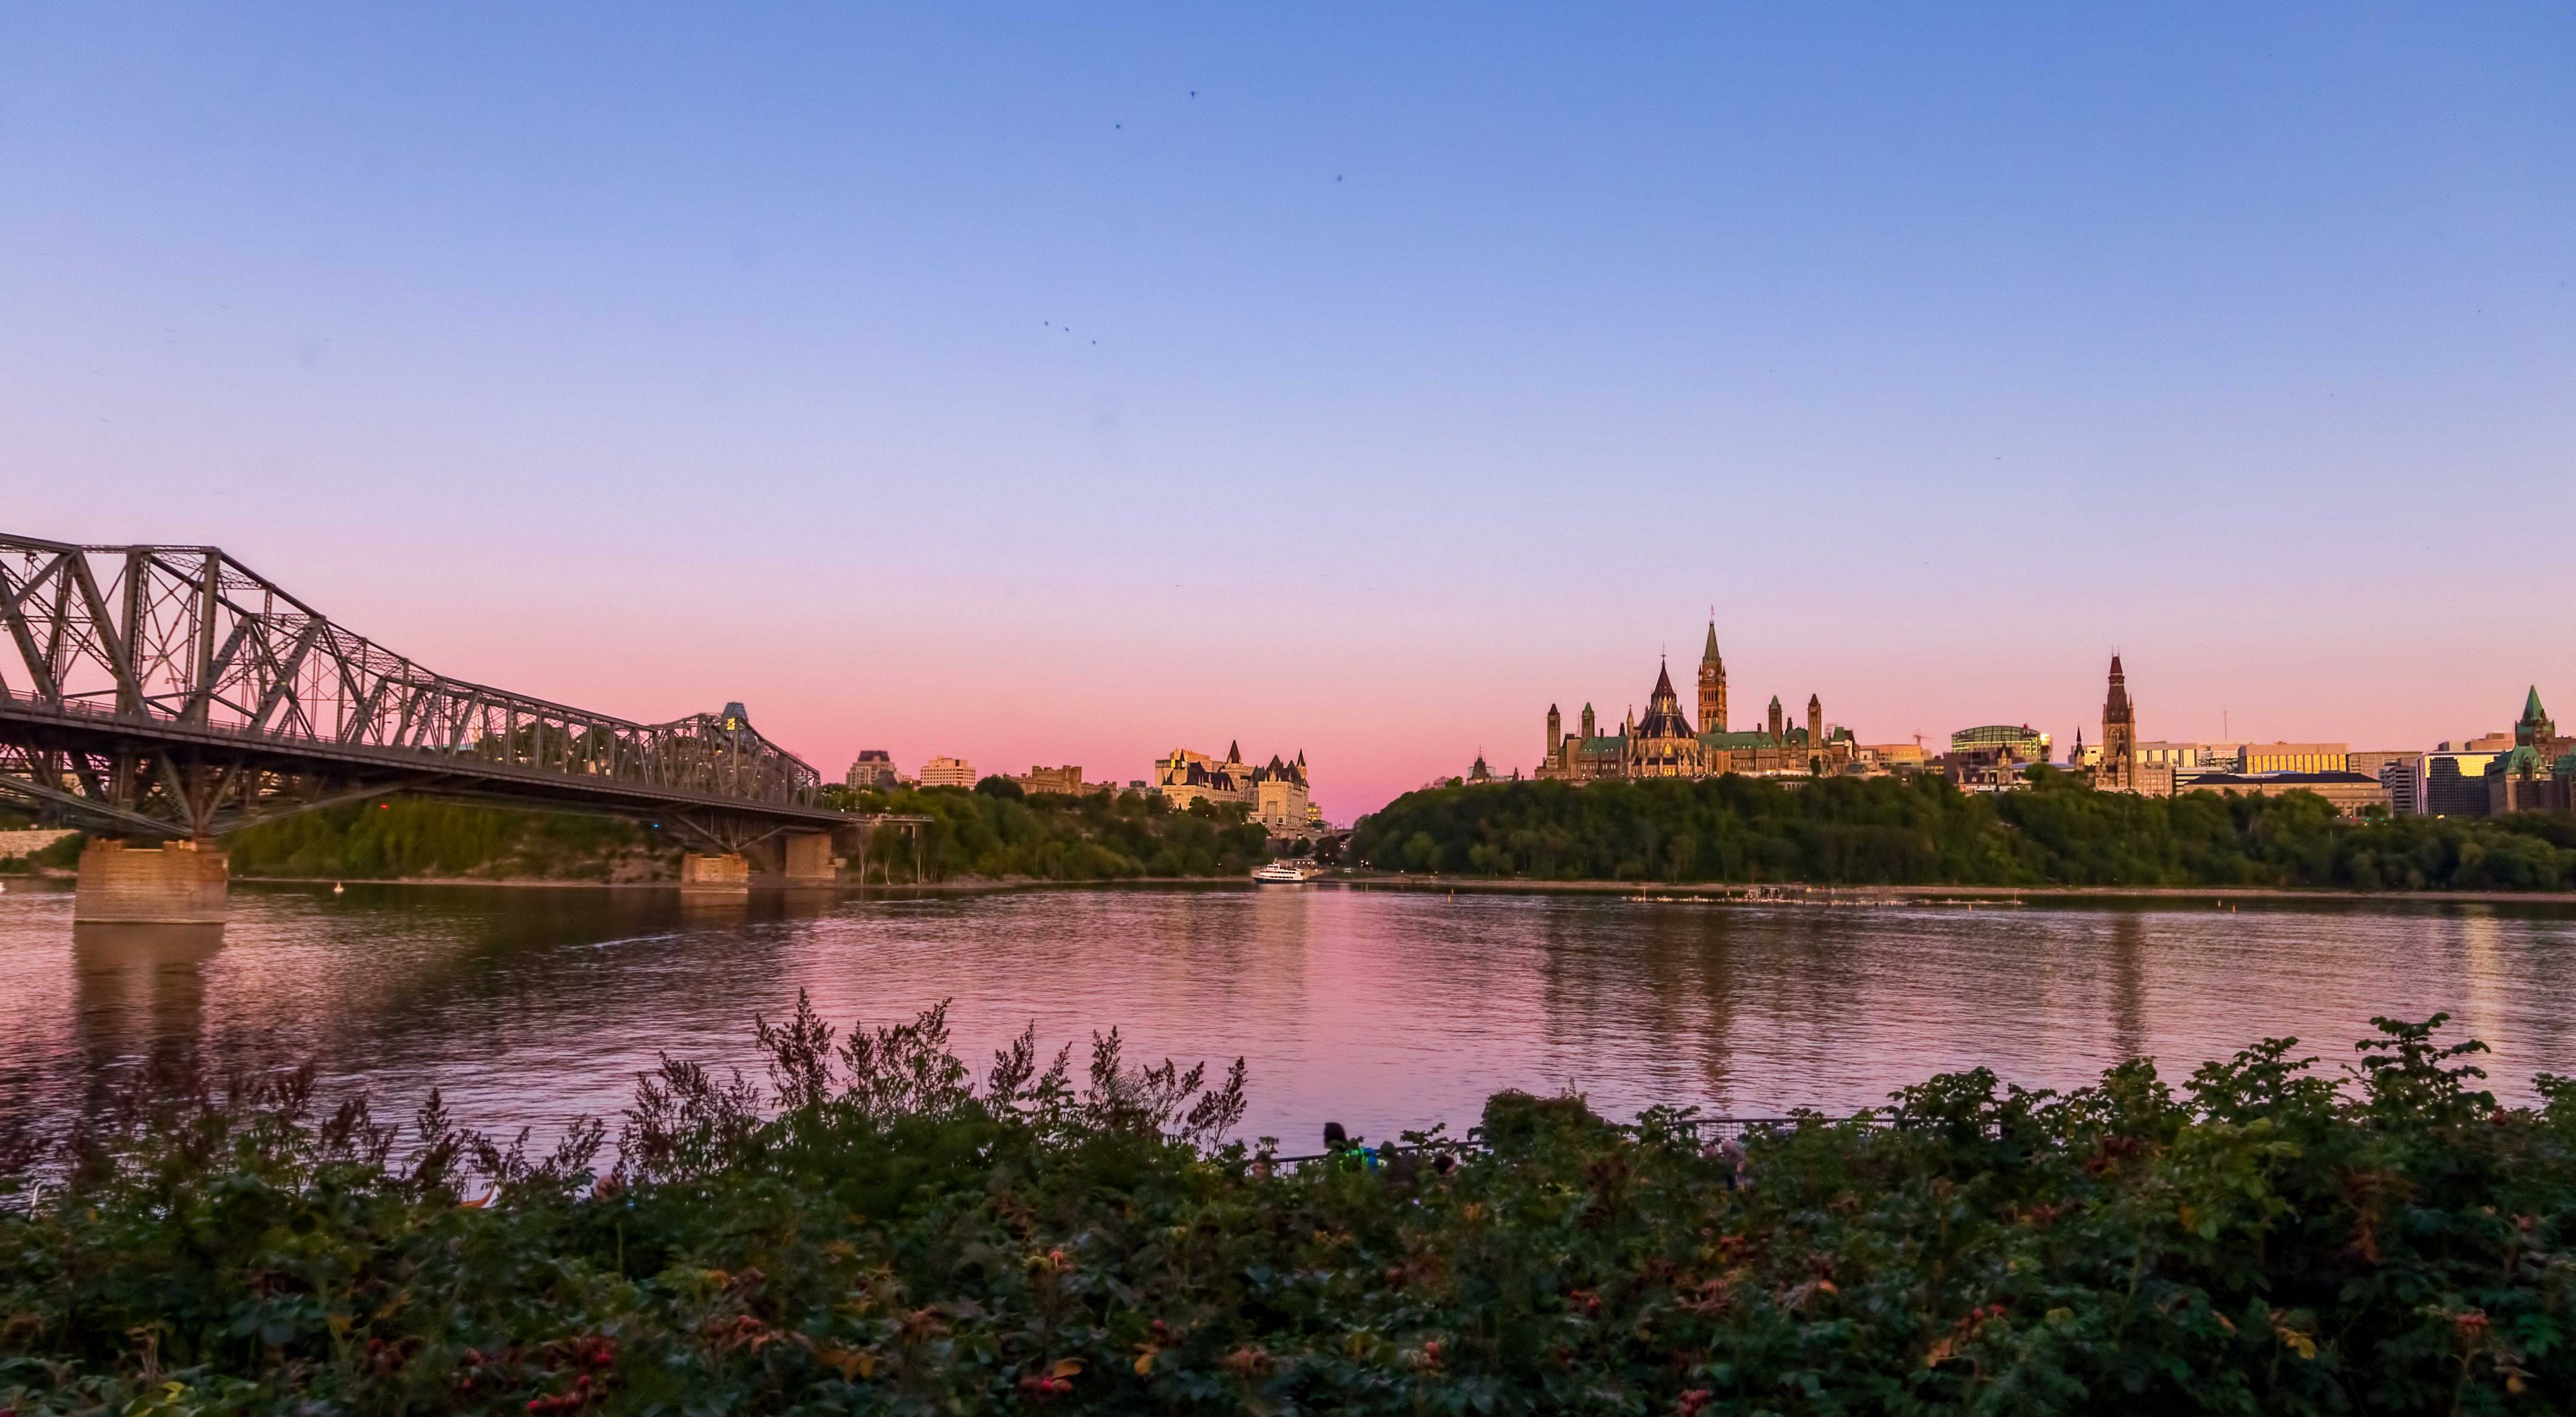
[(1663, 743)]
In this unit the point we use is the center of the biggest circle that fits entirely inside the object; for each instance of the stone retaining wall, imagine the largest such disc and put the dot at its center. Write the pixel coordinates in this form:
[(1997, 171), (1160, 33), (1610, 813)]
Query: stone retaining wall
[(28, 843)]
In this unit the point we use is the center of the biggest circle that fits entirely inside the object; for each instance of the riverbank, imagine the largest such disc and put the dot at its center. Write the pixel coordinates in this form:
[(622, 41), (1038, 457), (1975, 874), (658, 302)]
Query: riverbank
[(1735, 893), (1791, 893), (959, 885), (967, 838), (1889, 832)]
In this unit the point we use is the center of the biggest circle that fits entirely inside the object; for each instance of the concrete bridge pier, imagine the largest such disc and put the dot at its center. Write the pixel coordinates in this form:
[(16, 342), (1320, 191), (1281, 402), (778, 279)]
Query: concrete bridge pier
[(809, 860), (175, 883), (725, 877)]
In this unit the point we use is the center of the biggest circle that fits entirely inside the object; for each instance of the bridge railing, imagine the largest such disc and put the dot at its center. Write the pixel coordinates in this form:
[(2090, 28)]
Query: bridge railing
[(188, 638)]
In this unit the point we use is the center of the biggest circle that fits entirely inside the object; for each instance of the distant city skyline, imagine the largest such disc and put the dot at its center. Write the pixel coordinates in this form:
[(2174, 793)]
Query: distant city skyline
[(1449, 362)]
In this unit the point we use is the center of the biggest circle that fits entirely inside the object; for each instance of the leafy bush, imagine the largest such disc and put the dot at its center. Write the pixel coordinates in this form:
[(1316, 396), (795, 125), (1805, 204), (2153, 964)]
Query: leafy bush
[(874, 1232)]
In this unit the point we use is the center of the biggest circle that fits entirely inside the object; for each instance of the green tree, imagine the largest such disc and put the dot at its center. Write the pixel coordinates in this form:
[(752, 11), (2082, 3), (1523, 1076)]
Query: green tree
[(1891, 831)]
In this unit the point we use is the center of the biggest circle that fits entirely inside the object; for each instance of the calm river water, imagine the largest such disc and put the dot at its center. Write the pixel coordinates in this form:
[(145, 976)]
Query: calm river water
[(1380, 1009)]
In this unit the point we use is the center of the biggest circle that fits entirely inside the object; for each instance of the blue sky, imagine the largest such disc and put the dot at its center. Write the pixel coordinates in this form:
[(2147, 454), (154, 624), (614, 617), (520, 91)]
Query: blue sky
[(1448, 362)]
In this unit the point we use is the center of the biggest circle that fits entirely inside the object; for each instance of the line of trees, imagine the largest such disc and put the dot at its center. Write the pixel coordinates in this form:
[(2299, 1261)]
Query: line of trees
[(421, 838), (997, 831), (994, 832), (1923, 831)]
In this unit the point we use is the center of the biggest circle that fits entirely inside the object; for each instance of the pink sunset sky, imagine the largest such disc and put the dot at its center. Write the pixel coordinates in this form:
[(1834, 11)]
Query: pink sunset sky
[(1071, 389)]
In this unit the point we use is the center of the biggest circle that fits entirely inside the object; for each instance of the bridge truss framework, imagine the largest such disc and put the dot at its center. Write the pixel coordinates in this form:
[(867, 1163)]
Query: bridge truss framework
[(171, 692)]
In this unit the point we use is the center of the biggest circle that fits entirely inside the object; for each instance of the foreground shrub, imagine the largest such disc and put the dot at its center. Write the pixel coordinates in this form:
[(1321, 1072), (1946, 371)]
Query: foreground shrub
[(875, 1232)]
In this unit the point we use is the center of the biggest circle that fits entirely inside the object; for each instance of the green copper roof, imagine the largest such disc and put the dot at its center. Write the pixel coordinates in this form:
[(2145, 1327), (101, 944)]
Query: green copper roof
[(2523, 761), (1711, 652), (1735, 741), (2531, 709)]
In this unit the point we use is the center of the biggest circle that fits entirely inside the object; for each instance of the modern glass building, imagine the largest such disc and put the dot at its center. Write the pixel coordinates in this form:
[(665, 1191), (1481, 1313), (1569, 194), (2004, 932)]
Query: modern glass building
[(2027, 744), (2455, 784)]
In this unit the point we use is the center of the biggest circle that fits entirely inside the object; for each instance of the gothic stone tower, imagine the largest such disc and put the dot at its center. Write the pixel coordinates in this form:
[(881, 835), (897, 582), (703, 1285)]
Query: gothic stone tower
[(1712, 686), (2119, 736), (1589, 727), (1555, 733), (1776, 738), (1815, 724)]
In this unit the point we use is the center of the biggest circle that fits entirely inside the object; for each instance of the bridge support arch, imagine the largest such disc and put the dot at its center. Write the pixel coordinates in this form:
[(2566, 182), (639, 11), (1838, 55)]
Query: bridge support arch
[(175, 883)]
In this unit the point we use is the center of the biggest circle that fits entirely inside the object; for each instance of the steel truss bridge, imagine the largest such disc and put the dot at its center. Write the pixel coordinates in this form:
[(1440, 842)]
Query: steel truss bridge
[(167, 692)]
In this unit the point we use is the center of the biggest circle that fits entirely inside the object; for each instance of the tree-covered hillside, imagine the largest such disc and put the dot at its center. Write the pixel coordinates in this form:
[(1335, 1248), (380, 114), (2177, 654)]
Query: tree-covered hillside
[(408, 838), (992, 833), (1889, 831), (995, 832)]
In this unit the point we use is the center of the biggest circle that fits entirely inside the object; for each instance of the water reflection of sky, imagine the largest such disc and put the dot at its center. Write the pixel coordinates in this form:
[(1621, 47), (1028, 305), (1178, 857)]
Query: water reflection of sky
[(1379, 1009)]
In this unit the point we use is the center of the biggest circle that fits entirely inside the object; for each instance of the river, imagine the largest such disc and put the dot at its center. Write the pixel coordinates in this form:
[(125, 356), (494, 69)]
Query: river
[(1381, 1009)]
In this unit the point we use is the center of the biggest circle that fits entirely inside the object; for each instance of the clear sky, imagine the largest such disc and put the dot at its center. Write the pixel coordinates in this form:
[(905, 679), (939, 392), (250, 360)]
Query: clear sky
[(1064, 383)]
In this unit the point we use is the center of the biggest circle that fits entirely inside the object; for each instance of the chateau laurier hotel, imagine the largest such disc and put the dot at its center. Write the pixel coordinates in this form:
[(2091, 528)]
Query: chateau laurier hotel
[(1662, 743)]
